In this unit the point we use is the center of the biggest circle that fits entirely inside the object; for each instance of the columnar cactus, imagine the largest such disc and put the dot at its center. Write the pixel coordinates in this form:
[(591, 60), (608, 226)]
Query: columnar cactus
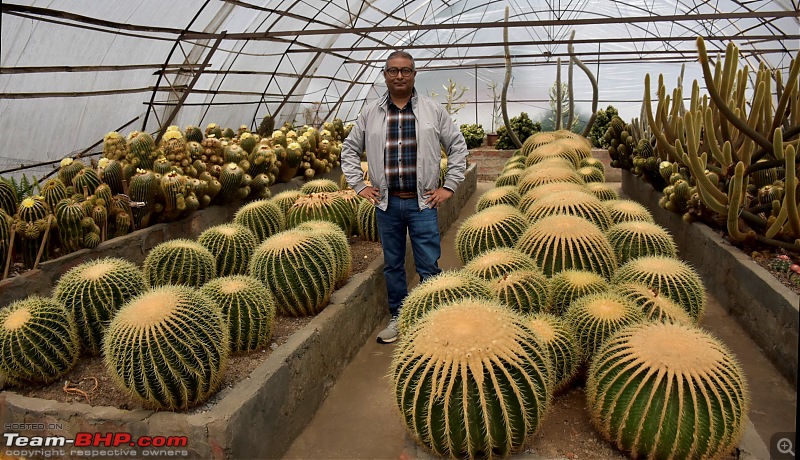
[(5, 236), (494, 227), (498, 195), (498, 262), (446, 287), (654, 306), (181, 262), (627, 211), (86, 181), (338, 241), (637, 239), (573, 203), (661, 390), (168, 347), (366, 222), (115, 146), (231, 245), (142, 150), (562, 242), (69, 216), (68, 170), (670, 277), (482, 391), (525, 291), (321, 206), (596, 317), (143, 186), (286, 199), (569, 285), (93, 291), (298, 267), (38, 341), (31, 221), (53, 192), (559, 339), (262, 217), (8, 198), (248, 308)]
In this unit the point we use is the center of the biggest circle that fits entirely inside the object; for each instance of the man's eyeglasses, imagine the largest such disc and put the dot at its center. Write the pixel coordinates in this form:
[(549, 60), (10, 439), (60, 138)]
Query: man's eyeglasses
[(405, 71)]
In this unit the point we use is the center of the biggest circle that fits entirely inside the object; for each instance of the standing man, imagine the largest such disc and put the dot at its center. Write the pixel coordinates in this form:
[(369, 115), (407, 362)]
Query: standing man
[(402, 134)]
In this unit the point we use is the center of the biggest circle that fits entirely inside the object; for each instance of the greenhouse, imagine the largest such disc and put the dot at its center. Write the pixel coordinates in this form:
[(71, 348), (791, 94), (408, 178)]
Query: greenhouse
[(201, 233)]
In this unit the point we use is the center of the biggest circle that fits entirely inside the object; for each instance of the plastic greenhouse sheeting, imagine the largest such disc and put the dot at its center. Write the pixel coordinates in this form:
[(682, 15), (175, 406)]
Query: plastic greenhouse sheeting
[(72, 71)]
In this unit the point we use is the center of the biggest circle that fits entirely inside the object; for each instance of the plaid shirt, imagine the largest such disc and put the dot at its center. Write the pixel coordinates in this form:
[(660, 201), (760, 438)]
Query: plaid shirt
[(400, 156)]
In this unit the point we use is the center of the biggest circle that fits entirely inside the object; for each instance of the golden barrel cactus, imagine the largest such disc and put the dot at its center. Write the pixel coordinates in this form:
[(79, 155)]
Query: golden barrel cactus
[(494, 227)]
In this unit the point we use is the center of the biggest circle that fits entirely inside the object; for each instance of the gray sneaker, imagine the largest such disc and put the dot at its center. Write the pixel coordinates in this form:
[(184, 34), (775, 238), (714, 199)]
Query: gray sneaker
[(389, 334)]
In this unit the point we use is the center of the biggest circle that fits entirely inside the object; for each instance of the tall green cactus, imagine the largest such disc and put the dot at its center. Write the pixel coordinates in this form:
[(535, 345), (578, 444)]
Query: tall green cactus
[(5, 236), (298, 267), (248, 308), (180, 262), (31, 221), (69, 219), (168, 347), (93, 291), (8, 198), (661, 390), (231, 245), (482, 391), (38, 341)]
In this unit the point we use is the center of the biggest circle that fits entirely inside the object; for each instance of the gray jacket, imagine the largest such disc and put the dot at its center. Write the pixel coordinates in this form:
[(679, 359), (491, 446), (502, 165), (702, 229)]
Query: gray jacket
[(434, 128)]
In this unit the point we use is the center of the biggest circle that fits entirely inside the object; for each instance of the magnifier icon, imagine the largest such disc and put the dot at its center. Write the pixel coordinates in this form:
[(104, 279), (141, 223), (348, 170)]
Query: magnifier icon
[(785, 446)]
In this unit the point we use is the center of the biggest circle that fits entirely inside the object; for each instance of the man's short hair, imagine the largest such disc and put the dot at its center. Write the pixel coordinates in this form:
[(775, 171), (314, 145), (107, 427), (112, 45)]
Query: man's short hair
[(400, 54)]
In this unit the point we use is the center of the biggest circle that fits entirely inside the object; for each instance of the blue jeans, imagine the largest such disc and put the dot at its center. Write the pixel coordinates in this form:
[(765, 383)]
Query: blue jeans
[(403, 217)]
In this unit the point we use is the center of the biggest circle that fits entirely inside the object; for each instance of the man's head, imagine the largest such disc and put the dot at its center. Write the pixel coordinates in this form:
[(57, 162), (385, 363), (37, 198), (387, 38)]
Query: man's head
[(399, 73)]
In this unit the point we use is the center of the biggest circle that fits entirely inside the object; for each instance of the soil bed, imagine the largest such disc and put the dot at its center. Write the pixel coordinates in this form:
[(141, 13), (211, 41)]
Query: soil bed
[(89, 382)]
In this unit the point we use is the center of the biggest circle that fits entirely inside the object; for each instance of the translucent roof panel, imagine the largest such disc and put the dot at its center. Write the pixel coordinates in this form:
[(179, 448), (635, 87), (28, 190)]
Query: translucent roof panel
[(72, 71)]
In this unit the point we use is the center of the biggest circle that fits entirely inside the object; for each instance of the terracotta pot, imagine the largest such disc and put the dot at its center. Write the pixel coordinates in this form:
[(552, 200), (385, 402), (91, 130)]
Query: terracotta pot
[(491, 138)]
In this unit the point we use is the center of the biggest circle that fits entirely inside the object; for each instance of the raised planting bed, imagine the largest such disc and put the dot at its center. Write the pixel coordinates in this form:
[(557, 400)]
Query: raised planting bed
[(764, 307), (258, 417)]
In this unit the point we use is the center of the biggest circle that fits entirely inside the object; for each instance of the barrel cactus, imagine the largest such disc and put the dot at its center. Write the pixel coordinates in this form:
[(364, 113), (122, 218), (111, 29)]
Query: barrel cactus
[(509, 177), (38, 341), (319, 186), (339, 243), (168, 347), (524, 291), (446, 287), (558, 337), (366, 222), (321, 206), (69, 169), (627, 211), (86, 181), (654, 306), (546, 190), (637, 239), (670, 277), (231, 245), (93, 291), (262, 217), (551, 150), (5, 236), (481, 392), (661, 390), (8, 198), (32, 218), (547, 175), (573, 203), (498, 262), (286, 199), (602, 191), (537, 140), (248, 308), (494, 227), (590, 175), (299, 268), (179, 261), (569, 285), (53, 192), (498, 195), (596, 317), (561, 242)]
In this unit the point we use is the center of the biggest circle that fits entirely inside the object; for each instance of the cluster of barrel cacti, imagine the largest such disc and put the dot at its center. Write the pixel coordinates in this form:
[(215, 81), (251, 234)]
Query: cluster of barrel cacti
[(726, 160), (138, 183), (573, 269)]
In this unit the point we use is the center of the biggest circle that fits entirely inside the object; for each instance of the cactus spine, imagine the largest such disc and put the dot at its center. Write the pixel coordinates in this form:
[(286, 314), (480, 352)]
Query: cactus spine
[(181, 262), (654, 306), (525, 291), (339, 243), (262, 217), (559, 339), (93, 291), (483, 391), (627, 211), (573, 203), (668, 391), (637, 239), (367, 224), (596, 317), (569, 285), (168, 347), (248, 308), (319, 186), (496, 263), (231, 245), (321, 206), (494, 227), (38, 341), (498, 195)]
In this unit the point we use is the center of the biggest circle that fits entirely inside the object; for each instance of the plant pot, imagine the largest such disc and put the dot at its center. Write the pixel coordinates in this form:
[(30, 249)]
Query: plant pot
[(491, 138)]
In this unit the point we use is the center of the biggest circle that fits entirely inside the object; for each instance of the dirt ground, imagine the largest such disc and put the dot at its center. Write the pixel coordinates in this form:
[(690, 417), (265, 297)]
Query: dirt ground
[(89, 382)]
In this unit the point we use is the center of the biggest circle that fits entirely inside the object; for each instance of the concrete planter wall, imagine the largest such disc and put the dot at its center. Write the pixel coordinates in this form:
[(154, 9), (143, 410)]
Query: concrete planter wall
[(259, 417), (765, 308)]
